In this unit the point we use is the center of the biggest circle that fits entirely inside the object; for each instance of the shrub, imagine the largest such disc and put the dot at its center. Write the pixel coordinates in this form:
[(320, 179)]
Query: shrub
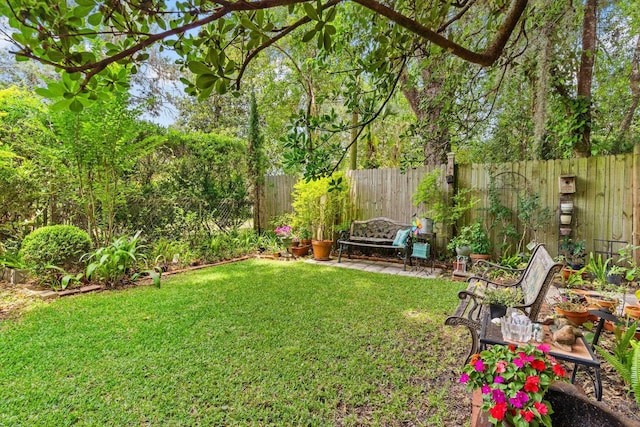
[(114, 264), (59, 245)]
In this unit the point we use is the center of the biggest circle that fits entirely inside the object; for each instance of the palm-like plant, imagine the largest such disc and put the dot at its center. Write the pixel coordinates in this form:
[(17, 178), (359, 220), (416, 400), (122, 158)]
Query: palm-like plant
[(113, 263)]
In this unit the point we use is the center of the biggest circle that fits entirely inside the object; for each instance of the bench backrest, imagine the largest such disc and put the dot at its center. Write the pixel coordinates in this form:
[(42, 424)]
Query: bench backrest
[(376, 229), (536, 279)]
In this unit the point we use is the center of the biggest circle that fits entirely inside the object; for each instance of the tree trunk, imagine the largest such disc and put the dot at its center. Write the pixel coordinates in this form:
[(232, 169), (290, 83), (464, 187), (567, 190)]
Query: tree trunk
[(427, 104), (634, 85), (542, 88), (353, 154), (582, 147)]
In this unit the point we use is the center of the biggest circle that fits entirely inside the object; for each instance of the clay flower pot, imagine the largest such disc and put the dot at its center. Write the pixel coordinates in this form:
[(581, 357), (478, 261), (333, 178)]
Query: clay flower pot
[(577, 317)]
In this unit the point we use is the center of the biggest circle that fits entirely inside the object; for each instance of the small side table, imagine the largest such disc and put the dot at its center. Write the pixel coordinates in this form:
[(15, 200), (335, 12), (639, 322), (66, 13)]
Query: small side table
[(582, 354)]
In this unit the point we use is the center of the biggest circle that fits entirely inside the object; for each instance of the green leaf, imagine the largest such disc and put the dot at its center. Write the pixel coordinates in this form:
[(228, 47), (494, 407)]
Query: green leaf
[(198, 67), (311, 11), (308, 36), (76, 106), (95, 19), (82, 11), (61, 105), (206, 81)]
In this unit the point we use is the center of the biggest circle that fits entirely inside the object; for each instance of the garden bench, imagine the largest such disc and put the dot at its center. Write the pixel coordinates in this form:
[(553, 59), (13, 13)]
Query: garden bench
[(377, 233), (534, 281)]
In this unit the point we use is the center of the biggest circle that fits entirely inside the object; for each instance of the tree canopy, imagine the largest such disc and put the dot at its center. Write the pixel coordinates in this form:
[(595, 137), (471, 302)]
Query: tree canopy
[(217, 39)]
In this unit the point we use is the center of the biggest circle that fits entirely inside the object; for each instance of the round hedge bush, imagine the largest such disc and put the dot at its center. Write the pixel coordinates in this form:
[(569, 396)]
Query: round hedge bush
[(59, 245)]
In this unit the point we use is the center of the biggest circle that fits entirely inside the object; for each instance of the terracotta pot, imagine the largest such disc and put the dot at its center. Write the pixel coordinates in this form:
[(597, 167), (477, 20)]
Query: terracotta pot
[(295, 243), (305, 242), (597, 301), (300, 250), (632, 311), (565, 231), (459, 265), (322, 249), (476, 257), (577, 317), (478, 417)]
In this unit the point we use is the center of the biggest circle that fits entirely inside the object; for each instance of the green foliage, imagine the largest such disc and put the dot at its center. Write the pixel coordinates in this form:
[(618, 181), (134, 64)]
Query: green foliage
[(439, 205), (321, 204), (598, 267), (210, 174), (532, 215), (115, 263), (474, 236), (170, 250), (573, 251), (506, 296), (626, 357), (59, 245)]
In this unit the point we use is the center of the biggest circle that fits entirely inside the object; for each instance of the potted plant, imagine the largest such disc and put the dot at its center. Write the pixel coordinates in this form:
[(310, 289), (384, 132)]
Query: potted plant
[(509, 384), (462, 242), (573, 252), (571, 307), (499, 299), (318, 206), (443, 208), (480, 243)]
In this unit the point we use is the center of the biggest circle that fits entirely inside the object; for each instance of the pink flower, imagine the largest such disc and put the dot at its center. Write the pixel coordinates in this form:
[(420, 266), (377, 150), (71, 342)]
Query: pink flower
[(485, 389), (518, 362), (525, 358), (498, 396), (544, 348), (515, 402), (464, 378), (479, 365), (522, 397), (501, 366), (498, 379)]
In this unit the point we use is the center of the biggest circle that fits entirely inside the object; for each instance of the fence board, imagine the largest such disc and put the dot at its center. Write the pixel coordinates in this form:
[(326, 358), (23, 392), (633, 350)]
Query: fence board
[(607, 199)]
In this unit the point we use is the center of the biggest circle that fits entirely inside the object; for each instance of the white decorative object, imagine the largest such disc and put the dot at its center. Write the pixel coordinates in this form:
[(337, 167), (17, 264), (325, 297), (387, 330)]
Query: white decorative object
[(566, 207), (565, 219), (516, 327)]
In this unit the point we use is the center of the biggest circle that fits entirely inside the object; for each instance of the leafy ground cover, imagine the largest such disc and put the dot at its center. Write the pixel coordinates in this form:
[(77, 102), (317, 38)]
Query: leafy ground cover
[(250, 343)]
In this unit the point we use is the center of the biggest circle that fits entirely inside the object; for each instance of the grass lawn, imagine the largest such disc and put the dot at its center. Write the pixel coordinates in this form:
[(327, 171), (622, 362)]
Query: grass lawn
[(250, 343)]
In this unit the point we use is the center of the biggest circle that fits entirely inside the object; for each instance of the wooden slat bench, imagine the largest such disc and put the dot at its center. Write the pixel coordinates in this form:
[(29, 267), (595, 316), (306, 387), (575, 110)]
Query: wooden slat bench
[(377, 233), (534, 281)]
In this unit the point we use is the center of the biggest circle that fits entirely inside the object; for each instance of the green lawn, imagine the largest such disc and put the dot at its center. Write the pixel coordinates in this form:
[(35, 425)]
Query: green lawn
[(249, 343)]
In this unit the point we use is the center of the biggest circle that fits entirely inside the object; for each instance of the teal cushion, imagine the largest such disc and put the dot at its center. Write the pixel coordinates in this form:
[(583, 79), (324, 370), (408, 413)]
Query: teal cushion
[(401, 237)]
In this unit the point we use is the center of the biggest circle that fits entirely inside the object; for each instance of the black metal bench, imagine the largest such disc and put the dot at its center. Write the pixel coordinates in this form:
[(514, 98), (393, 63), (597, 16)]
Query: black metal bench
[(534, 281), (376, 233)]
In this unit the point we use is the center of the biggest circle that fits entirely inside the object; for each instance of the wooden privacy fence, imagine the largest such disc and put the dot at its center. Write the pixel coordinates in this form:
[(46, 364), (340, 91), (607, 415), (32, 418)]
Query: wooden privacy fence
[(606, 200)]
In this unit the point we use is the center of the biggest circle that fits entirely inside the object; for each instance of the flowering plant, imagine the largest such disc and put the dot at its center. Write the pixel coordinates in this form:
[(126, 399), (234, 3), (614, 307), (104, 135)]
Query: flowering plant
[(503, 296), (513, 382), (283, 231)]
